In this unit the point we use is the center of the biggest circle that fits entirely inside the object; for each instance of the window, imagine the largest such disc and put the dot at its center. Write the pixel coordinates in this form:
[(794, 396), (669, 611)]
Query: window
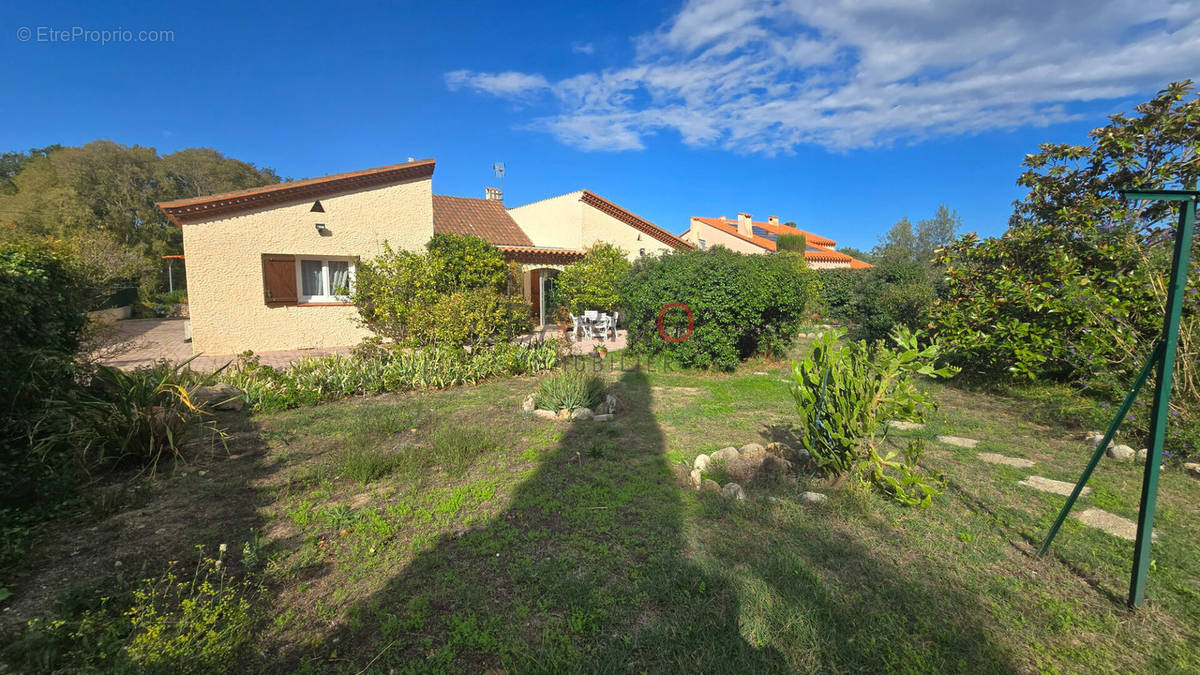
[(641, 251), (325, 279), (703, 245)]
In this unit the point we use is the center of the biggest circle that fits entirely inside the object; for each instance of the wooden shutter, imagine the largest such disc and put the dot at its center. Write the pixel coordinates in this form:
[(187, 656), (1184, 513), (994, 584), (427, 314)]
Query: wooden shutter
[(279, 279)]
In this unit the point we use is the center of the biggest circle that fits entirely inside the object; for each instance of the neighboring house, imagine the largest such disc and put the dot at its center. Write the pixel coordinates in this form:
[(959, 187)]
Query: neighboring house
[(749, 236), (271, 268)]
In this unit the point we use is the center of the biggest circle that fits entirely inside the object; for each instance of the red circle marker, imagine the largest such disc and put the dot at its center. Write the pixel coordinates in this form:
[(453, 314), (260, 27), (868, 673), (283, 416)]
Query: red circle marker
[(691, 322)]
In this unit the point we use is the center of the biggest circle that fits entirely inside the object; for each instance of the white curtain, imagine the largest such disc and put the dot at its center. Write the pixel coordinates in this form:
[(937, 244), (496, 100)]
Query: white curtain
[(310, 278), (339, 277)]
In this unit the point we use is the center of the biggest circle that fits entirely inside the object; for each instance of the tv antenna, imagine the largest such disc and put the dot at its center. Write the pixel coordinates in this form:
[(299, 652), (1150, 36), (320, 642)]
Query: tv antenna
[(498, 171)]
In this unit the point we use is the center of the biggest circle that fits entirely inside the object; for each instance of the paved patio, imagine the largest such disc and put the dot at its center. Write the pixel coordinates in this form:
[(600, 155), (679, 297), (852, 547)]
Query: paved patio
[(142, 342)]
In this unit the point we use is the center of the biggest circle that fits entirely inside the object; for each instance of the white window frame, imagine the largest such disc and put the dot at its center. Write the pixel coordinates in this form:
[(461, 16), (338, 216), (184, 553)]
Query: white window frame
[(327, 293), (703, 245)]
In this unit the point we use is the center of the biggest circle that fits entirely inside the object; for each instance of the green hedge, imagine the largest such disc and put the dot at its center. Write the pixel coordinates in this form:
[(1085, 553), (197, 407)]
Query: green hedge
[(740, 304), (837, 292)]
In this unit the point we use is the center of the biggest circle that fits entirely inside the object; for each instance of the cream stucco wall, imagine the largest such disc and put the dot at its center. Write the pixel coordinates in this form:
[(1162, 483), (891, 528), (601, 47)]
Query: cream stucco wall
[(599, 226), (224, 266), (714, 237), (553, 222)]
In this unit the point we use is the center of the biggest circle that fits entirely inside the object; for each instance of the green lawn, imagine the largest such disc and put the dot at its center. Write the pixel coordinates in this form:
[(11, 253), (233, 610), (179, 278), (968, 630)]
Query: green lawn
[(446, 531)]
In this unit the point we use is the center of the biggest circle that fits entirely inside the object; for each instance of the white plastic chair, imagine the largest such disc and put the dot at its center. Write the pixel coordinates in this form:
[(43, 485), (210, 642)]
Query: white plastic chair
[(578, 329), (601, 326)]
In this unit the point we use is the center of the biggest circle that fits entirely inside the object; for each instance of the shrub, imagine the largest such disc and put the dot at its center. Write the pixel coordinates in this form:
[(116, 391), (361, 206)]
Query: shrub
[(795, 243), (890, 295), (837, 292), (453, 295), (374, 369), (740, 304), (845, 395), (595, 281), (569, 389)]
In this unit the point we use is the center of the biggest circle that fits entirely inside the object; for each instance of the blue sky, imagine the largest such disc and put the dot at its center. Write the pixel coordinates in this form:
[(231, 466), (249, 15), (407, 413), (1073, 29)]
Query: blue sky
[(841, 116)]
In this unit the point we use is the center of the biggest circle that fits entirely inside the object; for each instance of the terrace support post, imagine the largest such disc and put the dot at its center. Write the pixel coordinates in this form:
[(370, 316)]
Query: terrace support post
[(1162, 397), (1162, 362)]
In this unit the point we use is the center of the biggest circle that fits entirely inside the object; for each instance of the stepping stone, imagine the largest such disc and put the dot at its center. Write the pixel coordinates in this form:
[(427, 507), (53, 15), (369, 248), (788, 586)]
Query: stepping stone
[(905, 426), (1110, 523), (959, 441), (993, 458), (1057, 487)]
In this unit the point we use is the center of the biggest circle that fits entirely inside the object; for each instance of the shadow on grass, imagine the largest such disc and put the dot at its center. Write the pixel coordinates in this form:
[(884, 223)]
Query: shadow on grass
[(592, 567), (582, 571)]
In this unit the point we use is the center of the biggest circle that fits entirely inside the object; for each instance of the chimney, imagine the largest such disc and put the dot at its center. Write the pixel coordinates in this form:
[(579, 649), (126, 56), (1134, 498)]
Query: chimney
[(493, 194), (744, 227), (774, 220)]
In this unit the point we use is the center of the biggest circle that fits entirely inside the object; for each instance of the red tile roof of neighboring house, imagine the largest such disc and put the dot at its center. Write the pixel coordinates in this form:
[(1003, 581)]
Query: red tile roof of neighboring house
[(820, 249), (637, 222), (240, 201), (486, 218)]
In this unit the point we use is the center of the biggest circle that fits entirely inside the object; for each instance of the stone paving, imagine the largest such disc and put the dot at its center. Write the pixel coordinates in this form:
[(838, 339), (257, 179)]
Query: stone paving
[(143, 342)]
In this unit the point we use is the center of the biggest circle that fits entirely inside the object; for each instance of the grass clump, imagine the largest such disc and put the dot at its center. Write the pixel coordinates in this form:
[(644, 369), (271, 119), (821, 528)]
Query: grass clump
[(569, 389)]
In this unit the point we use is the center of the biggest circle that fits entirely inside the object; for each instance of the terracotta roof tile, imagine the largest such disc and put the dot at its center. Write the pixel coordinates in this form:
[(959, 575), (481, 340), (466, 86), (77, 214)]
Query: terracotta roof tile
[(637, 222), (484, 218), (819, 248), (240, 201)]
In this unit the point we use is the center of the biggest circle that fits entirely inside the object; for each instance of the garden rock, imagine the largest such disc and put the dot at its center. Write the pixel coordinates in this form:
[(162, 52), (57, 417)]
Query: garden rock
[(1120, 452), (1094, 438), (695, 478), (733, 491), (582, 414), (752, 450), (702, 462), (546, 414), (959, 441), (748, 468), (220, 397), (710, 485), (527, 405), (1052, 486), (994, 458), (564, 414), (1142, 455), (682, 474), (813, 498), (1193, 469), (725, 454), (905, 426)]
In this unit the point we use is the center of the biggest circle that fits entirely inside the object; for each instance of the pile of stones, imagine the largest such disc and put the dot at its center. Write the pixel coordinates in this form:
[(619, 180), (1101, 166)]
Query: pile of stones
[(604, 413), (747, 464)]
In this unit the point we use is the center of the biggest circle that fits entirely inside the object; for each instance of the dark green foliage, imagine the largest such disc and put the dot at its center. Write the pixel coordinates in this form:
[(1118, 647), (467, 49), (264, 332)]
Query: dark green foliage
[(453, 295), (569, 389), (795, 243), (838, 288), (888, 295), (595, 281), (741, 305), (41, 326), (845, 395)]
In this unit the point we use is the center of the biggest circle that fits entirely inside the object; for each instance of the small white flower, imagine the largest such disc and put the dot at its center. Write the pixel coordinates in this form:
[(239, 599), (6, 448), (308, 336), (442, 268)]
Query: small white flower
[(221, 548), (218, 564), (118, 563)]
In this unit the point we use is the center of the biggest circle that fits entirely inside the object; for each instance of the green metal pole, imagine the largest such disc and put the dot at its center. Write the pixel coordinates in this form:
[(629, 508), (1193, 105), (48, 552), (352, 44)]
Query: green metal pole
[(1162, 397), (1151, 361)]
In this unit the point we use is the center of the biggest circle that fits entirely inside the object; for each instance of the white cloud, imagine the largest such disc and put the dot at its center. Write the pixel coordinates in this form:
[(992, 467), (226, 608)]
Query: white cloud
[(765, 76), (583, 48)]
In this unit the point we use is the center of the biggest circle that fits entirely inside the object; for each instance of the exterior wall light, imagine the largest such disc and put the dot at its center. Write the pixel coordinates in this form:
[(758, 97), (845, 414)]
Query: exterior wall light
[(321, 228)]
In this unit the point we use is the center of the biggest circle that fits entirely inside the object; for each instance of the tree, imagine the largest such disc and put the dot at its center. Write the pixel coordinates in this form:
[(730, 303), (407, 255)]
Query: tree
[(465, 262), (904, 243), (1074, 290), (856, 253), (595, 281), (795, 243)]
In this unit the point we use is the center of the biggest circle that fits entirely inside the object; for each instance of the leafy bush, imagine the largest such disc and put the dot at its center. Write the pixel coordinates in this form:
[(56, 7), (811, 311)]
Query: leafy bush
[(741, 305), (474, 317), (374, 369), (795, 243), (569, 389), (837, 292), (453, 295), (845, 395), (595, 281), (890, 295)]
